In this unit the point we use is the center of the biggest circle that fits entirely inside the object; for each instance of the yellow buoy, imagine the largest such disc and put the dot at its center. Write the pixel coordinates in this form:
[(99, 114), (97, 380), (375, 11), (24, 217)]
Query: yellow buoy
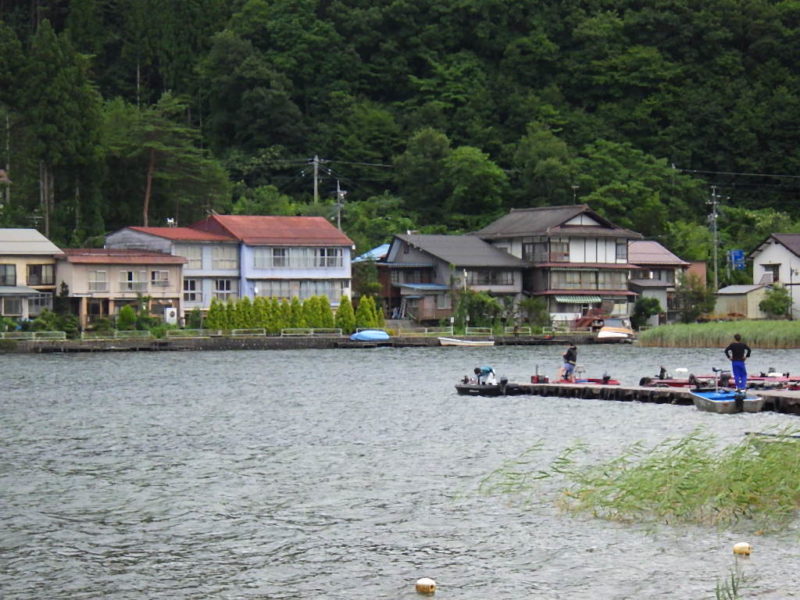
[(742, 548), (426, 585)]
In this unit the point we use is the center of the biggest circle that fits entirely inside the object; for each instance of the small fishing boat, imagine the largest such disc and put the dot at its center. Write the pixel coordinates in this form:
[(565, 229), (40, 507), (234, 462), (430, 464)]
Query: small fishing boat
[(614, 329), (370, 335), (725, 402), (446, 341)]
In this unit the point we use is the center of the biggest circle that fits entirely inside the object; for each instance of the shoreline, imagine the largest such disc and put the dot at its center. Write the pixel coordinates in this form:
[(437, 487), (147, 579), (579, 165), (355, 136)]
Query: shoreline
[(259, 343)]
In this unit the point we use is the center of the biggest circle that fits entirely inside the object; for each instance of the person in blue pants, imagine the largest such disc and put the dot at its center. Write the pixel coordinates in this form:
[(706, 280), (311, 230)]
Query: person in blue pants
[(738, 352)]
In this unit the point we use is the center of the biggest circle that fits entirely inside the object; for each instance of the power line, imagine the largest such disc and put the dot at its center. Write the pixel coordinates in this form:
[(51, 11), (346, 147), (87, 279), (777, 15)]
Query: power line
[(737, 174)]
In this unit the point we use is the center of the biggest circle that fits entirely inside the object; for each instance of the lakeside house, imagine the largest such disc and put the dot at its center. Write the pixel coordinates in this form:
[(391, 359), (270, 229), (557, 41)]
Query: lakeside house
[(236, 256), (657, 274), (27, 273), (578, 259), (777, 260), (423, 270), (103, 280)]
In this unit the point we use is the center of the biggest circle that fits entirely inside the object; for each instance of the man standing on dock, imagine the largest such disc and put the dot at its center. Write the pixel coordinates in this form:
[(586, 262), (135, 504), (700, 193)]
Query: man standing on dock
[(570, 360), (738, 352)]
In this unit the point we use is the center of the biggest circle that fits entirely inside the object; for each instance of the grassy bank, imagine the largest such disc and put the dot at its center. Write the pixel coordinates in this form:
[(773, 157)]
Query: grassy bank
[(757, 334), (686, 480)]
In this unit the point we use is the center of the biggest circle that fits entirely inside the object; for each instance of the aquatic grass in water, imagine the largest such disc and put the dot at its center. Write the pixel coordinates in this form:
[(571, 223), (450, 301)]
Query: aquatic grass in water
[(689, 480), (758, 334)]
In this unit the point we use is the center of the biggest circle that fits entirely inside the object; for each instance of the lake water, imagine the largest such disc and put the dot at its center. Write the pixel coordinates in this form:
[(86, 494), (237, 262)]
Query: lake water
[(342, 474)]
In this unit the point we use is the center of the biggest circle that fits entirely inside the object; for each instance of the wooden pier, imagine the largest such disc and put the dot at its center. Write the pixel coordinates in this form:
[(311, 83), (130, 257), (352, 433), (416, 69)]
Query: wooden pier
[(778, 400)]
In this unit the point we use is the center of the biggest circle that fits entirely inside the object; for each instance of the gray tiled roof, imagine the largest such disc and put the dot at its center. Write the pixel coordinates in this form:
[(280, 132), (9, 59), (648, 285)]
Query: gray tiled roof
[(790, 240), (648, 252), (550, 220), (462, 250)]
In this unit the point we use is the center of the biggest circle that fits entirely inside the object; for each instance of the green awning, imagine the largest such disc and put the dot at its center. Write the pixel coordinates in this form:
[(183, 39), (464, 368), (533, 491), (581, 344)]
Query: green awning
[(578, 299)]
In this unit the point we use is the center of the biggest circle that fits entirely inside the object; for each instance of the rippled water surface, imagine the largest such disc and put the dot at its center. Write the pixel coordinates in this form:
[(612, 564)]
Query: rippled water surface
[(341, 474)]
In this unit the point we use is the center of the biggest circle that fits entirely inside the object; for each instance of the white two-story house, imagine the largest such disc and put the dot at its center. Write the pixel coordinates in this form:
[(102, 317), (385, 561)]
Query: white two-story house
[(27, 273), (776, 260), (579, 259)]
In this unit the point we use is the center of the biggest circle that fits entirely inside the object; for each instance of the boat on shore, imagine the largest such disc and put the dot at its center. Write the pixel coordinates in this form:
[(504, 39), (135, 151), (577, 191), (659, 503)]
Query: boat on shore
[(616, 329), (447, 341), (726, 402), (370, 335)]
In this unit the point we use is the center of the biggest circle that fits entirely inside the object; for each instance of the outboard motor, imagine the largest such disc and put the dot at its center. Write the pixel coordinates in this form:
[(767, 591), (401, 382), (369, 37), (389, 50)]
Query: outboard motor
[(606, 377)]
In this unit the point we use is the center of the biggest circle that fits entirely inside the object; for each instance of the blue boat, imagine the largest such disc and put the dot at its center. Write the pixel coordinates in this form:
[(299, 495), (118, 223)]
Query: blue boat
[(726, 401), (370, 335)]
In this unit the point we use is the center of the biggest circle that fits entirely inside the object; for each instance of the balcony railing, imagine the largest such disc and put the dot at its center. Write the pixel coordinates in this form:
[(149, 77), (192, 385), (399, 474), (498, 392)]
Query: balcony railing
[(133, 286), (98, 286)]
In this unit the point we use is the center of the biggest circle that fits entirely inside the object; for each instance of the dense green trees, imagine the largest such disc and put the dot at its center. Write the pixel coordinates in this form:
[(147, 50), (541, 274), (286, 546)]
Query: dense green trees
[(432, 115)]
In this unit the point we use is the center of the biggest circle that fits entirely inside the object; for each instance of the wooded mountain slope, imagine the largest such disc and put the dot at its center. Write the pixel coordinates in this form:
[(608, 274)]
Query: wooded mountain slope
[(431, 114)]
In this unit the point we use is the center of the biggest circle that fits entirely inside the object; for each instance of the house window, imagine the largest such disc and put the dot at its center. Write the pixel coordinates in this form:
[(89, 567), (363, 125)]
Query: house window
[(328, 257), (38, 303), (133, 281), (40, 275), (11, 306), (443, 301), (280, 257), (8, 274), (774, 271), (490, 277), (622, 250), (224, 257), (97, 281), (223, 289), (612, 280), (159, 278), (191, 291), (194, 254), (559, 251)]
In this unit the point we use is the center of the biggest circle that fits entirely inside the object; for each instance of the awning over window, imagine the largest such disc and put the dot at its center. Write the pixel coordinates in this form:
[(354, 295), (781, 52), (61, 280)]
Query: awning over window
[(578, 299)]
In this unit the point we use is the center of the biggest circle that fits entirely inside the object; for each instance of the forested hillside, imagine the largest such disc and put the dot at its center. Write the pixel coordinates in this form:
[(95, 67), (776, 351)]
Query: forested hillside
[(437, 115)]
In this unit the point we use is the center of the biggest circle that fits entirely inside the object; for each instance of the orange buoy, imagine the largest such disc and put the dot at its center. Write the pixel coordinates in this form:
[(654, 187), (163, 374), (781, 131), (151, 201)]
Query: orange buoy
[(742, 549), (426, 585)]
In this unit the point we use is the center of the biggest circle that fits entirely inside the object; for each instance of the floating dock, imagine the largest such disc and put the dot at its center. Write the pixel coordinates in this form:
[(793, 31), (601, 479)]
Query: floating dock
[(777, 400)]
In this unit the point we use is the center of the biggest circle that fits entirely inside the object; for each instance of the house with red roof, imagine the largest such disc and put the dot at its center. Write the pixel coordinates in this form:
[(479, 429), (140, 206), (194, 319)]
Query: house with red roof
[(212, 260), (103, 280), (233, 256)]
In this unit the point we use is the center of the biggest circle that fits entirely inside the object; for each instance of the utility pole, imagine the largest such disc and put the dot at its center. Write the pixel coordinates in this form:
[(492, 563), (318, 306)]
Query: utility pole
[(712, 219), (340, 194), (315, 161)]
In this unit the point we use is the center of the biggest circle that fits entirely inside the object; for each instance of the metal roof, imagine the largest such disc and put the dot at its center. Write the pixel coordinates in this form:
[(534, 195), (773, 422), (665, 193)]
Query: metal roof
[(26, 242), (577, 299), (376, 253), (649, 252), (275, 231), (18, 290), (119, 256), (184, 234), (739, 289), (434, 287)]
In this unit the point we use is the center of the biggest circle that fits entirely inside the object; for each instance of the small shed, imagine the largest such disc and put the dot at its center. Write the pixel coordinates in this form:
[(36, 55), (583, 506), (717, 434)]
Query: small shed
[(741, 301)]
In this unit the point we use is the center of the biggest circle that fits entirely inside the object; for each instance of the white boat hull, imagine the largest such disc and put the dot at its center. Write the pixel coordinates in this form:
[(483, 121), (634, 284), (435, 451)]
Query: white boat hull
[(444, 341)]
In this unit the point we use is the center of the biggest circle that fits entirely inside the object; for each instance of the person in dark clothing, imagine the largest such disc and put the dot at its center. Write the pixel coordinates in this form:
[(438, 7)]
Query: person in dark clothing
[(570, 359), (738, 352)]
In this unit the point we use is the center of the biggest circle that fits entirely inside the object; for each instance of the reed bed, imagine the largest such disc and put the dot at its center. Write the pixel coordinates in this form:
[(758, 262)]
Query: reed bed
[(757, 334), (688, 480)]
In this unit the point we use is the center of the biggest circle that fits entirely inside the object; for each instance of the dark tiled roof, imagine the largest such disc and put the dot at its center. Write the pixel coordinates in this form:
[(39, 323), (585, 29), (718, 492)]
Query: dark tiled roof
[(550, 220), (790, 240), (462, 250)]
